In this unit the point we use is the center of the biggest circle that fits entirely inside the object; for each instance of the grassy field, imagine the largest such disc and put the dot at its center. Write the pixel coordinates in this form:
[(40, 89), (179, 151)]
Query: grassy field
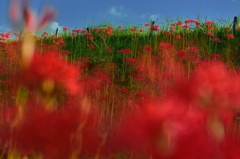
[(153, 92)]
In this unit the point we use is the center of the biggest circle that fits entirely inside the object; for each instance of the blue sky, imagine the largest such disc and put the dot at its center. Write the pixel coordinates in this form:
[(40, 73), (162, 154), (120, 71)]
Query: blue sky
[(82, 13)]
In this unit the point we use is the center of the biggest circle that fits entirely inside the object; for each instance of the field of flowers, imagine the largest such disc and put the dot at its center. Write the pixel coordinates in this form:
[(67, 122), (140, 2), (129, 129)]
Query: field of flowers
[(116, 92)]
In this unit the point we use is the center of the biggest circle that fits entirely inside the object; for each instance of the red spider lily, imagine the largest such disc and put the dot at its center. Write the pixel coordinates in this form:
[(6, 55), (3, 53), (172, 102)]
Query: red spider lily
[(85, 59), (134, 29), (192, 58), (194, 49), (66, 52), (112, 64), (148, 48), (125, 51), (147, 25), (217, 40), (208, 22), (181, 53), (215, 56), (178, 36), (91, 46), (102, 29), (188, 21), (186, 27), (179, 23), (230, 36), (161, 131), (84, 63), (124, 90), (102, 77), (155, 28), (90, 85), (167, 33), (210, 28), (90, 38), (65, 29), (31, 22), (120, 27), (6, 35), (165, 46), (197, 23), (53, 36), (109, 50), (109, 30), (95, 30), (213, 81), (85, 32), (55, 134), (43, 67), (172, 29), (47, 15), (131, 60), (210, 34)]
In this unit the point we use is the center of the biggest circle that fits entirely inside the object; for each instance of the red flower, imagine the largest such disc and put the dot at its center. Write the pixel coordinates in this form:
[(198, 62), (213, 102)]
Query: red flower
[(218, 40), (193, 49), (181, 53), (109, 50), (210, 34), (230, 36), (65, 29), (197, 23), (102, 77), (91, 46), (50, 66), (131, 60), (179, 23), (124, 90), (55, 134), (125, 51), (210, 28), (95, 30), (165, 46), (148, 48), (155, 28), (215, 56), (186, 27), (120, 27), (32, 23), (208, 22), (188, 21), (134, 29), (90, 38), (112, 64), (147, 25), (178, 36)]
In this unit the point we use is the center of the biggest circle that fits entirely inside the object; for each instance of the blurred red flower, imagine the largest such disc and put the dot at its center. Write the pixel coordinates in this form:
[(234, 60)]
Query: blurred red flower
[(50, 66), (148, 48)]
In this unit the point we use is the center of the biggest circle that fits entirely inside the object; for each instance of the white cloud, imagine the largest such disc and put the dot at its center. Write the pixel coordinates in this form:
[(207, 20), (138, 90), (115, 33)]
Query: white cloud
[(117, 11), (54, 25), (151, 16)]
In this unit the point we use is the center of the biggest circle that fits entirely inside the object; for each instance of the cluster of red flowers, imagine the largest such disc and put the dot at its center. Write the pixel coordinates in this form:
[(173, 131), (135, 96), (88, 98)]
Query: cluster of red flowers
[(5, 36), (125, 51)]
